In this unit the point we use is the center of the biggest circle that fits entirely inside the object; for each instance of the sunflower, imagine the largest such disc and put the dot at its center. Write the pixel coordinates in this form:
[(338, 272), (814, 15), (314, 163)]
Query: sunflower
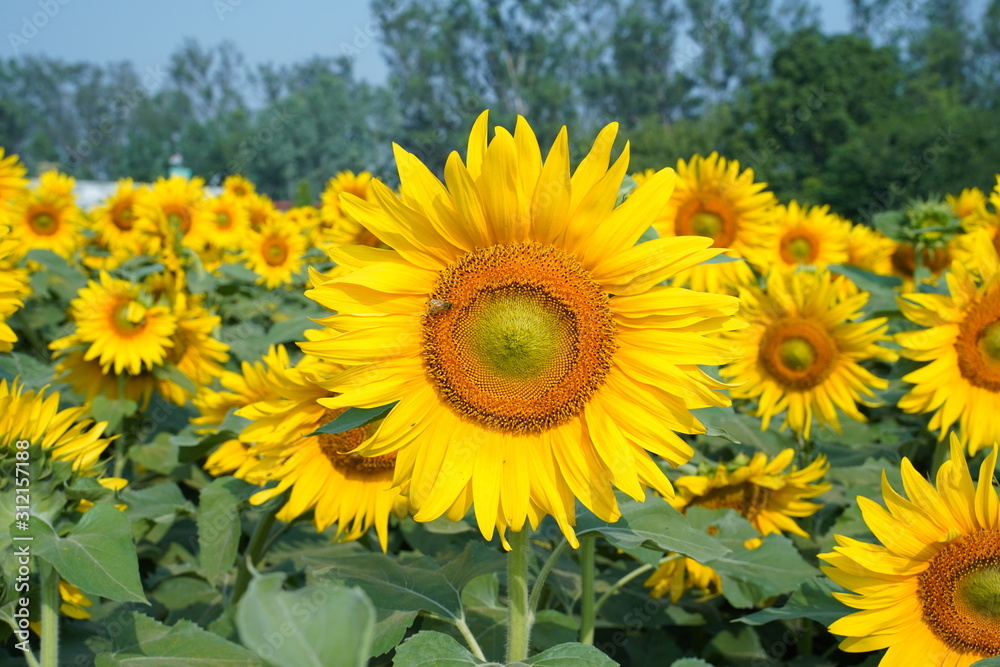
[(358, 185), (982, 226), (89, 379), (320, 471), (13, 184), (258, 382), (221, 222), (870, 250), (335, 226), (167, 217), (762, 491), (803, 348), (960, 340), (11, 289), (259, 209), (969, 205), (122, 332), (808, 236), (239, 186), (47, 217), (115, 220), (928, 592), (275, 252), (32, 416), (194, 350), (522, 332), (713, 198)]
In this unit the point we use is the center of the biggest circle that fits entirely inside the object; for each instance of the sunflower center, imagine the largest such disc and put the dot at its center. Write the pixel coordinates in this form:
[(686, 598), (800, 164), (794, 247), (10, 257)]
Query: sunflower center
[(526, 340), (178, 221), (275, 252), (707, 215), (122, 217), (960, 593), (222, 220), (799, 249), (978, 343), (337, 447), (44, 224), (747, 499), (904, 259), (797, 353), (129, 317)]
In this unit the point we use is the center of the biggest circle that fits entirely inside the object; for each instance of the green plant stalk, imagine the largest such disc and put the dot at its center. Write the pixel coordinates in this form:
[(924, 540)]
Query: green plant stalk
[(255, 551), (618, 584), (588, 611), (539, 585), (50, 614), (519, 615), (470, 639)]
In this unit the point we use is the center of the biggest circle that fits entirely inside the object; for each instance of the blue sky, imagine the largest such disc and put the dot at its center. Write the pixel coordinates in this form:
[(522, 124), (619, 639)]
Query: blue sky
[(146, 32)]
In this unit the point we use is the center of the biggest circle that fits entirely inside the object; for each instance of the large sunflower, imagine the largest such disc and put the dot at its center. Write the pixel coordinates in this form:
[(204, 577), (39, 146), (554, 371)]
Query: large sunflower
[(808, 236), (221, 222), (167, 216), (960, 340), (714, 199), (928, 593), (522, 332), (275, 252), (762, 491), (32, 416), (321, 472), (803, 348), (123, 333), (47, 217)]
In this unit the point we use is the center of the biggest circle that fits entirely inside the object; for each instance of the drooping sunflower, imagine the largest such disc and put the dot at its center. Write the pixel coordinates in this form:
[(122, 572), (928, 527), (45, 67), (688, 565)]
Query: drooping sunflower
[(321, 472), (123, 333), (35, 417), (115, 219), (808, 236), (239, 186), (870, 250), (275, 252), (259, 381), (714, 199), (762, 491), (928, 592), (521, 330), (960, 341), (803, 348), (47, 217)]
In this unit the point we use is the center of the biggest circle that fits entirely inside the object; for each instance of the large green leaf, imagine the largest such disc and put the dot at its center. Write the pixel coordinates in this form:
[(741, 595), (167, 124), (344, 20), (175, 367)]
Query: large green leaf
[(219, 527), (353, 418), (814, 600), (321, 625), (144, 642), (97, 556), (433, 649), (571, 655)]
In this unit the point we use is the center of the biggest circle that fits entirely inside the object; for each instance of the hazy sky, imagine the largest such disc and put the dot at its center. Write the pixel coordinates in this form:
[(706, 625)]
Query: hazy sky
[(147, 31)]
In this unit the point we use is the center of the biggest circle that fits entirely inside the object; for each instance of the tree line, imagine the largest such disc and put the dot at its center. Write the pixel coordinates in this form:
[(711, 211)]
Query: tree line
[(905, 104)]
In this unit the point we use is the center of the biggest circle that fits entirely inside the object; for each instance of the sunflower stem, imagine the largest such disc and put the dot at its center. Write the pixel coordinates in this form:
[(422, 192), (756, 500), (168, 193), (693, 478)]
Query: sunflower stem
[(50, 614), (539, 585), (588, 611), (618, 584), (519, 614), (470, 639), (255, 551)]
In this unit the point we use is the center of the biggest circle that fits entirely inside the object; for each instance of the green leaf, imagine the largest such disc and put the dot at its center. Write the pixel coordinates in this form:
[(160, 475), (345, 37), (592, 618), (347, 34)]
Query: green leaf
[(477, 559), (97, 556), (657, 526), (988, 662), (34, 374), (158, 503), (239, 272), (219, 526), (571, 655), (433, 649), (321, 624), (390, 629), (691, 662), (866, 280), (814, 600), (112, 410), (144, 642), (353, 418)]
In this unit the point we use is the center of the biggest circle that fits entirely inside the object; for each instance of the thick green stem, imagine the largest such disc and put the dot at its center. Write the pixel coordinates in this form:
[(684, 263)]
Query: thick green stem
[(519, 615), (539, 585), (50, 614), (588, 612), (255, 551)]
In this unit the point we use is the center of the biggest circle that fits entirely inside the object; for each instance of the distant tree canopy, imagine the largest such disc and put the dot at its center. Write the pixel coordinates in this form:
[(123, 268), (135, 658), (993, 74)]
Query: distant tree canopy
[(905, 105)]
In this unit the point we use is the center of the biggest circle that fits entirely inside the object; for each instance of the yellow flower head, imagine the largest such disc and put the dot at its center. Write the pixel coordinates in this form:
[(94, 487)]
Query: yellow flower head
[(803, 348), (275, 252), (521, 330), (221, 222), (239, 186), (11, 287), (358, 185), (768, 495), (115, 219), (928, 592), (195, 351), (166, 214), (960, 341), (870, 250), (47, 217), (259, 209), (809, 236), (714, 199), (13, 184)]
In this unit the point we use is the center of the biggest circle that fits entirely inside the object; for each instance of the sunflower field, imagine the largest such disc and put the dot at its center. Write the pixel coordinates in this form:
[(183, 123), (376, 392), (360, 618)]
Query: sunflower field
[(515, 408)]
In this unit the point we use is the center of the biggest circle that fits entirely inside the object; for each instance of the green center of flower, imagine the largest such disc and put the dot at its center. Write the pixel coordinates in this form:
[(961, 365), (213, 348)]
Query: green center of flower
[(801, 249), (222, 220), (178, 221), (518, 335), (798, 354), (980, 591), (275, 252), (707, 224), (989, 342), (43, 223)]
